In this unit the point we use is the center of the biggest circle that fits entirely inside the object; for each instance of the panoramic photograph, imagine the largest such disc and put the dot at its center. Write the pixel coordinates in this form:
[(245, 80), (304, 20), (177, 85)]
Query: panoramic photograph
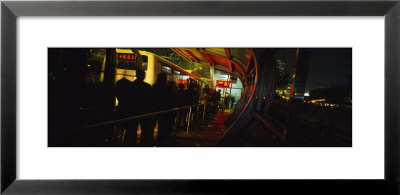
[(199, 97)]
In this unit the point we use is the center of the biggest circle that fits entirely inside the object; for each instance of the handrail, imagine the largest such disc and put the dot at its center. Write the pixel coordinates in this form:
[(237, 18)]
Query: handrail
[(129, 118), (271, 124)]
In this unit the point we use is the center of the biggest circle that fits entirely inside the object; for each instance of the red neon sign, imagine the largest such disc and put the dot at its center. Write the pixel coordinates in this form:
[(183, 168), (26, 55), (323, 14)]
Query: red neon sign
[(182, 81), (222, 84), (127, 57)]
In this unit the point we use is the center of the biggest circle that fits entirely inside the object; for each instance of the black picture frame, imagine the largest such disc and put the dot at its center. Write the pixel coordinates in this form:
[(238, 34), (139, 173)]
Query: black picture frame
[(10, 10)]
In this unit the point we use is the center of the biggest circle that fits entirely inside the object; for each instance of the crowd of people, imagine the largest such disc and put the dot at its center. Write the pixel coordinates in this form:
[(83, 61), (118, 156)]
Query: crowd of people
[(138, 98)]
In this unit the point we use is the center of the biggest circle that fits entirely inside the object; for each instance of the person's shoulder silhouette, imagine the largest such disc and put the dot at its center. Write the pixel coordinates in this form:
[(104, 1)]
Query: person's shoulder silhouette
[(161, 92), (121, 86), (139, 82), (140, 93)]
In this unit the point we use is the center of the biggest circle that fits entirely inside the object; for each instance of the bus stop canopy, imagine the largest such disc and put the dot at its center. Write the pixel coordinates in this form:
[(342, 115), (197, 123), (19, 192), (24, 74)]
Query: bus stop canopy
[(232, 60)]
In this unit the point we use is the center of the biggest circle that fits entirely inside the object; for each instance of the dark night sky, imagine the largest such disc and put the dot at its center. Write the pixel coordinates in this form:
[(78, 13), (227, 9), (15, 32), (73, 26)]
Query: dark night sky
[(328, 66)]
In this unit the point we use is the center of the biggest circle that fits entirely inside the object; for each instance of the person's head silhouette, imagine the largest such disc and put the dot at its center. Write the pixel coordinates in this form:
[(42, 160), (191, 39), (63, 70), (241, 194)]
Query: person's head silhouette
[(140, 74), (162, 78), (181, 86), (191, 85)]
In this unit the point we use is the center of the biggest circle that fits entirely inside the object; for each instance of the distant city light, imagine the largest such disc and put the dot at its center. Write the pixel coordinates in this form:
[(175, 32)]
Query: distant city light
[(306, 94), (317, 101)]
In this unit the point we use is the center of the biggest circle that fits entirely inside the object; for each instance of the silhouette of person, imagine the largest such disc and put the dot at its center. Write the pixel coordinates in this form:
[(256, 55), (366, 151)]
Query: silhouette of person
[(191, 98), (175, 104), (191, 95), (215, 98), (181, 95), (206, 90), (174, 90), (162, 101), (227, 100), (232, 101), (181, 102), (140, 94), (122, 88)]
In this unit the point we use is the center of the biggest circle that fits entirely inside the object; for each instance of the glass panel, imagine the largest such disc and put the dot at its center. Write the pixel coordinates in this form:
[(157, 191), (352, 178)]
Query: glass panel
[(241, 53), (145, 60), (166, 69), (95, 63)]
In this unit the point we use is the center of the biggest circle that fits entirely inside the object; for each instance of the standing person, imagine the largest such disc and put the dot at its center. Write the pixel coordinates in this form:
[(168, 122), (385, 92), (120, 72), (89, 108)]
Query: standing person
[(192, 98), (206, 96), (192, 95), (173, 116), (181, 103), (218, 97), (206, 90), (122, 90), (174, 90), (140, 94), (232, 102), (181, 95), (227, 100), (215, 98), (162, 101)]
